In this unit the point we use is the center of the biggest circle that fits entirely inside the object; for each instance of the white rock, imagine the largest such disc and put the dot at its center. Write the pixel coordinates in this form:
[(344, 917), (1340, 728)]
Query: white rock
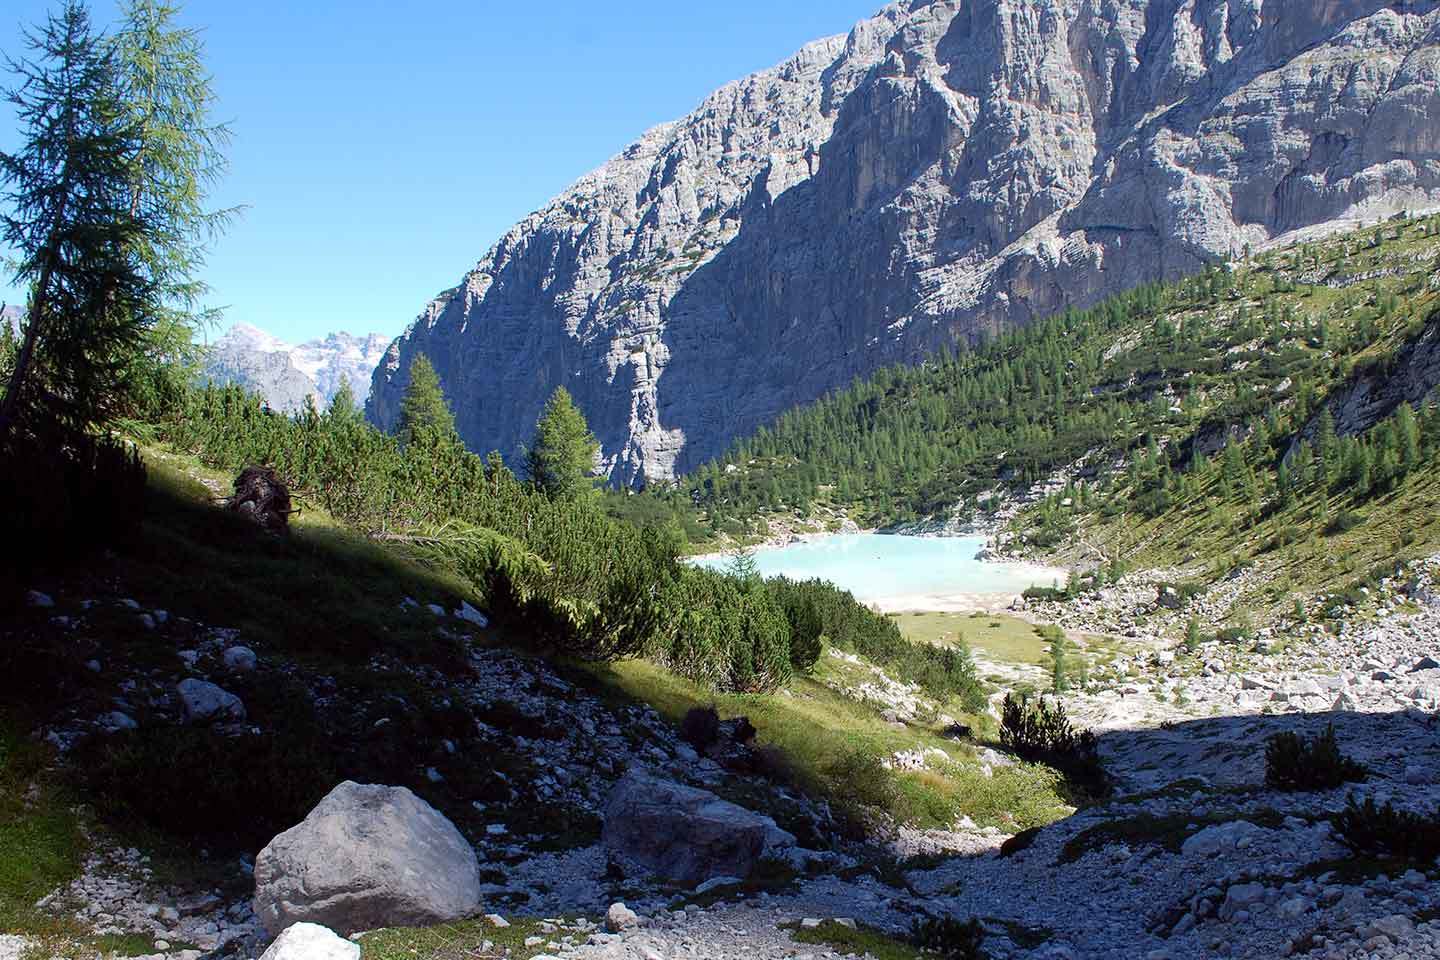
[(1396, 926), (367, 857), (118, 720), (620, 918), (471, 615), (310, 941), (1220, 838)]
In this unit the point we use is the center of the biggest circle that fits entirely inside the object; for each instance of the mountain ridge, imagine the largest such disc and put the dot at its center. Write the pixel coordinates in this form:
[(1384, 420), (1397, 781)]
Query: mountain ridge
[(947, 171), (284, 374)]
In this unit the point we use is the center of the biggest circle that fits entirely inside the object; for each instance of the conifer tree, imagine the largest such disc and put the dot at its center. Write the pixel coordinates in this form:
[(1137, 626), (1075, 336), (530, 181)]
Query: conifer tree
[(425, 417), (167, 98), (561, 459), (343, 408), (105, 211), (69, 221), (1408, 429)]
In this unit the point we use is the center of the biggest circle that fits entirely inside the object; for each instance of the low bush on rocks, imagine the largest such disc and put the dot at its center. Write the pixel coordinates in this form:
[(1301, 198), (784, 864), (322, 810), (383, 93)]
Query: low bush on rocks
[(950, 938), (1021, 841), (232, 793), (1041, 732), (851, 941), (701, 727), (1309, 763), (1370, 830), (861, 778)]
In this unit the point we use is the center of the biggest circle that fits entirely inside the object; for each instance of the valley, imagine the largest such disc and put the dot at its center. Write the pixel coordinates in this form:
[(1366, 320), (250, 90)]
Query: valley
[(970, 491)]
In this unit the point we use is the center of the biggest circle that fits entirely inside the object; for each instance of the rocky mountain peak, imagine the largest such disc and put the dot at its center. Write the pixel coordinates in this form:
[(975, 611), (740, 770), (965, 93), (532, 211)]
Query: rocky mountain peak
[(285, 373), (946, 170)]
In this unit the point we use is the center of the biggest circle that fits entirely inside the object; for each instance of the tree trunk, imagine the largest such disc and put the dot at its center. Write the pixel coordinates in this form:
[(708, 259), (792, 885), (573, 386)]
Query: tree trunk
[(38, 298)]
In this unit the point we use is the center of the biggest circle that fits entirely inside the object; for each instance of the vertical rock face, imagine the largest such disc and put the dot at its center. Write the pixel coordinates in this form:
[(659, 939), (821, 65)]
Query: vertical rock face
[(949, 168)]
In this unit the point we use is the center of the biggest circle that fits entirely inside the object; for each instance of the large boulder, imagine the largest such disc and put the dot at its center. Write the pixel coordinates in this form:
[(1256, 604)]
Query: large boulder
[(687, 835), (367, 857), (310, 941)]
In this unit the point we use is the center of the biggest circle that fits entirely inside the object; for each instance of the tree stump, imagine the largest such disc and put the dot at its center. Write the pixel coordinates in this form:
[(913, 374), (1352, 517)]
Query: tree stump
[(262, 498)]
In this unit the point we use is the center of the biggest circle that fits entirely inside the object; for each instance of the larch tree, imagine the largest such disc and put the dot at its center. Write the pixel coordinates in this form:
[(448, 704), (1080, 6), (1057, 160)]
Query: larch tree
[(166, 96), (343, 408), (425, 417), (561, 460), (105, 210), (69, 218)]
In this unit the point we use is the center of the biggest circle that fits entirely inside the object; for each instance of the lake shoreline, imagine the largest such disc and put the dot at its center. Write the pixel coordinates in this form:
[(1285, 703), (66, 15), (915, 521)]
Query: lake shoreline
[(977, 579)]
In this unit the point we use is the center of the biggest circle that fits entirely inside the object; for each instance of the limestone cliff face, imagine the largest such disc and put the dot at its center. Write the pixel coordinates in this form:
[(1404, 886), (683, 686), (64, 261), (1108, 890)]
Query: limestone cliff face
[(946, 169)]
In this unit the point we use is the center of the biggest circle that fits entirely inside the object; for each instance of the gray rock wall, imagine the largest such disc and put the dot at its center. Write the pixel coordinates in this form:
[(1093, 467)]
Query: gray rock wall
[(948, 168)]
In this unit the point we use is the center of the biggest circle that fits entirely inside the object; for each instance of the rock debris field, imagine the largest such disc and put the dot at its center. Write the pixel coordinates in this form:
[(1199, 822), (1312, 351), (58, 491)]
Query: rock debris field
[(1192, 855)]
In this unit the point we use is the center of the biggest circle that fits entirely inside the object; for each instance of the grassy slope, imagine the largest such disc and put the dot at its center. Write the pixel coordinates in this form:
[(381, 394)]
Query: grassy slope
[(1209, 535), (817, 729), (1352, 282), (324, 600)]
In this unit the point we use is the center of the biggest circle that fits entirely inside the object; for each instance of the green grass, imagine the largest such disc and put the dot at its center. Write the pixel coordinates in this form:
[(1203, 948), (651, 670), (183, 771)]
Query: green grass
[(463, 940), (1168, 832), (41, 844), (860, 942), (1002, 638), (323, 591), (817, 727)]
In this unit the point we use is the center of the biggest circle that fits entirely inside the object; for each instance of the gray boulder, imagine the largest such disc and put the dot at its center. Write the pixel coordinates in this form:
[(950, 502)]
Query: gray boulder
[(687, 835), (239, 659), (204, 702), (366, 857), (310, 941)]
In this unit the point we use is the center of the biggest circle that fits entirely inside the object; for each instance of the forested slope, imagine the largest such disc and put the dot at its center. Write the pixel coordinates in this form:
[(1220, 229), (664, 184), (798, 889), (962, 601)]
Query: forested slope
[(1298, 369)]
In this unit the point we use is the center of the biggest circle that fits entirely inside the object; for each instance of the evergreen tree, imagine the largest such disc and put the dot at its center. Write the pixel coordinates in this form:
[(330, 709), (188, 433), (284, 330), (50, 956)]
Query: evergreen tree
[(742, 566), (343, 408), (74, 235), (561, 460), (425, 417), (167, 99), (1408, 429)]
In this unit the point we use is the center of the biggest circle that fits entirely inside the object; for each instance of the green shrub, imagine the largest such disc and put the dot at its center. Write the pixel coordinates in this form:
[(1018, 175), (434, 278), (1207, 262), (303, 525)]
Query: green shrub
[(228, 793), (949, 938), (943, 672), (1314, 763), (701, 727), (862, 778), (1042, 733), (1372, 831), (1345, 521)]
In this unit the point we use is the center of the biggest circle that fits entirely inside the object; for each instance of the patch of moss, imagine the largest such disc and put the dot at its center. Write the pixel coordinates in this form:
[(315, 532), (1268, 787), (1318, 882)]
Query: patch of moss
[(859, 942), (1169, 833)]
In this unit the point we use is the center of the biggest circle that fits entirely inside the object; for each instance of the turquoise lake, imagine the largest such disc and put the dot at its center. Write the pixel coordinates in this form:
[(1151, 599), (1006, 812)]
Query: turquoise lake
[(891, 570)]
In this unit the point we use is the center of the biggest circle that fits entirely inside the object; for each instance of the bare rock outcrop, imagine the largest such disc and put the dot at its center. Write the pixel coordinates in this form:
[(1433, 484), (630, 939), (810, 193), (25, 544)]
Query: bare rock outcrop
[(948, 169), (685, 834)]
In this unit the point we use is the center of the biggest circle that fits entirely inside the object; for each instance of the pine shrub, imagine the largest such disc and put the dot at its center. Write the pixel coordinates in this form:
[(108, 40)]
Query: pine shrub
[(1374, 831), (949, 938), (1041, 732), (701, 727), (1312, 763)]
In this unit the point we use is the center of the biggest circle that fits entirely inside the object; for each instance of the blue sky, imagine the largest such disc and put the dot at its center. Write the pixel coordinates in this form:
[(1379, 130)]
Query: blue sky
[(381, 148)]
